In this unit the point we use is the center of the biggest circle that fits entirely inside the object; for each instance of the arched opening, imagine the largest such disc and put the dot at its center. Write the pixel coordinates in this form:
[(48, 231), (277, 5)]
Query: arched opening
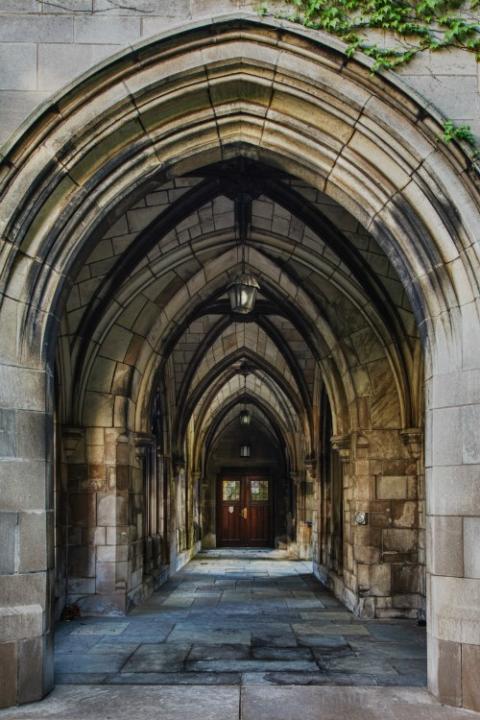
[(154, 182)]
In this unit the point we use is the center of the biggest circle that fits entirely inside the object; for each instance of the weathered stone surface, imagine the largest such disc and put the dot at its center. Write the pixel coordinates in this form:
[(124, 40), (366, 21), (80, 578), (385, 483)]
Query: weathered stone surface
[(8, 542), (445, 670), (23, 484), (445, 538), (390, 487), (20, 621), (8, 442), (31, 659), (471, 545), (33, 541), (470, 686)]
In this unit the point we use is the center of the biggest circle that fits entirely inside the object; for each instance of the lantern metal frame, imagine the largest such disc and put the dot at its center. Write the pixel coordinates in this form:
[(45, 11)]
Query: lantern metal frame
[(242, 293)]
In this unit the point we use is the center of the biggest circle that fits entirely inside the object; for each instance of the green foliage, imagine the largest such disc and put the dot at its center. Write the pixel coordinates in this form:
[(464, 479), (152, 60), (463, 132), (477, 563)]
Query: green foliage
[(409, 27), (458, 132)]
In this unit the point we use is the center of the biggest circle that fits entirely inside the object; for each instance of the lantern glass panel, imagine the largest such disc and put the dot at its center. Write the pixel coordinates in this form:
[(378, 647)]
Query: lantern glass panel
[(242, 293), (245, 417)]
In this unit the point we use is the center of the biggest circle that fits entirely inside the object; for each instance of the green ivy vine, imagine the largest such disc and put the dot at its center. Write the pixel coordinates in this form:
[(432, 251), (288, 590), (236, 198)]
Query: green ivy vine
[(411, 27), (464, 133)]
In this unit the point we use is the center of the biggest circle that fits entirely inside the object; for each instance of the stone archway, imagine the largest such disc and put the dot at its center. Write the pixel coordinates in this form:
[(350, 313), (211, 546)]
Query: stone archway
[(289, 100)]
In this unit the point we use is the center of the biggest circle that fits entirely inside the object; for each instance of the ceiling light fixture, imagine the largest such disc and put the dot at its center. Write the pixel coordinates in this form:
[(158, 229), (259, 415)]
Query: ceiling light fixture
[(242, 291)]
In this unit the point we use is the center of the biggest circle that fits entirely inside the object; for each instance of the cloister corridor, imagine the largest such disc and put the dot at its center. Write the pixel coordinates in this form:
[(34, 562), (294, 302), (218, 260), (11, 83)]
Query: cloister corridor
[(239, 375)]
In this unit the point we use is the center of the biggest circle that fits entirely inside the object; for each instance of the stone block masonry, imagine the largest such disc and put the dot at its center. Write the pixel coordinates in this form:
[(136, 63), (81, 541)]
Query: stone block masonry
[(46, 45)]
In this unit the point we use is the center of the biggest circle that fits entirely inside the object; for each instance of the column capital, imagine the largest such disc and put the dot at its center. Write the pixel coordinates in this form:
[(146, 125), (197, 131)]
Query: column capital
[(71, 437), (342, 444), (142, 442), (413, 439), (178, 464), (310, 463)]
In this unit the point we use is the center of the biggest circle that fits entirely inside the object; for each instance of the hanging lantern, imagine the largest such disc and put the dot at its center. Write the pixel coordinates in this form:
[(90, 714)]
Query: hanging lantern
[(245, 417), (242, 293), (244, 450)]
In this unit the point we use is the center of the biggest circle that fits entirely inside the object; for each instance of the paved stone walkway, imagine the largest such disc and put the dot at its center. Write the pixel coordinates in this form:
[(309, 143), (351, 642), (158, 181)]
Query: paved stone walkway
[(241, 617), (252, 702), (257, 627)]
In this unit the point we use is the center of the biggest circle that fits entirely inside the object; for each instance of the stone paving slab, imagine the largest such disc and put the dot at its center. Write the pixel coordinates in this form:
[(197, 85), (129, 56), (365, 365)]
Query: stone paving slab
[(157, 658), (90, 702), (352, 703)]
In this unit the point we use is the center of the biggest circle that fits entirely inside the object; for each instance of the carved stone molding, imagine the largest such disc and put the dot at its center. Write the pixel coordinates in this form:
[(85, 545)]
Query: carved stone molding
[(342, 444), (142, 442), (413, 439)]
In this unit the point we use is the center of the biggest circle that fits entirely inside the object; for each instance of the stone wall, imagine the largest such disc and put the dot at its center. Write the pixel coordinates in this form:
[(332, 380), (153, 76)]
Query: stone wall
[(45, 45)]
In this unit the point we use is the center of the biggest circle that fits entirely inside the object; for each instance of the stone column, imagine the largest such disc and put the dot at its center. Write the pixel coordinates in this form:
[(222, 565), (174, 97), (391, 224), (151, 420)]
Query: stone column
[(143, 561), (196, 506), (26, 534), (453, 522), (178, 530), (163, 508), (346, 588)]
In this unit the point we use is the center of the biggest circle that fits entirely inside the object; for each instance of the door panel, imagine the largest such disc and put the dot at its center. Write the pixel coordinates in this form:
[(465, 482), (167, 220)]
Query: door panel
[(244, 509), (257, 491), (229, 500)]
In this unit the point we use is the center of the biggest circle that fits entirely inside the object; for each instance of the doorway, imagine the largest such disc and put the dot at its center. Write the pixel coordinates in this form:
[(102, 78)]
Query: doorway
[(244, 510)]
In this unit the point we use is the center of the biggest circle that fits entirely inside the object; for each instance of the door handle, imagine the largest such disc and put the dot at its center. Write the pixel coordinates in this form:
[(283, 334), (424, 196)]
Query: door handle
[(243, 513)]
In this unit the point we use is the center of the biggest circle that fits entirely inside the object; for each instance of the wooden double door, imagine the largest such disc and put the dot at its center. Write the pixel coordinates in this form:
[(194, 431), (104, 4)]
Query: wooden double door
[(244, 510)]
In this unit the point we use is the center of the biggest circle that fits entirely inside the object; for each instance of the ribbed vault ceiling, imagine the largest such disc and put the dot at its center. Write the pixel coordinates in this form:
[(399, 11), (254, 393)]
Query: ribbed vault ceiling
[(148, 312)]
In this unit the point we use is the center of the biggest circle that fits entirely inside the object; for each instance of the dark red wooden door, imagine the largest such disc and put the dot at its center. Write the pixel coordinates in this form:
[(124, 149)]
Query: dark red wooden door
[(244, 510)]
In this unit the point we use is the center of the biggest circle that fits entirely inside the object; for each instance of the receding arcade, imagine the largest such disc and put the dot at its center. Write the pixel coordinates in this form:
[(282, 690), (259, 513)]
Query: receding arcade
[(128, 208)]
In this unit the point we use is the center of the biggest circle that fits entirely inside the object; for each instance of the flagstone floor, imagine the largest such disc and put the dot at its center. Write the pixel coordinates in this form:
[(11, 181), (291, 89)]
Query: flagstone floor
[(241, 617), (239, 635)]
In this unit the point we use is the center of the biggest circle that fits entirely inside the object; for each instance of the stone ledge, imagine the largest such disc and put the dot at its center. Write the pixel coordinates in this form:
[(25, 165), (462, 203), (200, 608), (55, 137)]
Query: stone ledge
[(18, 622)]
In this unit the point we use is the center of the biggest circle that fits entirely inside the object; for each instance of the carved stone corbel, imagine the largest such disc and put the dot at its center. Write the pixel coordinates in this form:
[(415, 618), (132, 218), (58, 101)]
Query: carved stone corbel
[(342, 444)]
